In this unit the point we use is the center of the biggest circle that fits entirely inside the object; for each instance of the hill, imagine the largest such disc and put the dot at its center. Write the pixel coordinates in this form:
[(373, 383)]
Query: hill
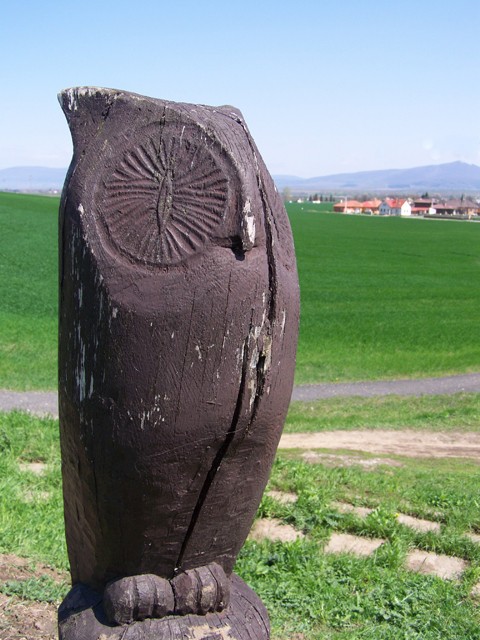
[(452, 176)]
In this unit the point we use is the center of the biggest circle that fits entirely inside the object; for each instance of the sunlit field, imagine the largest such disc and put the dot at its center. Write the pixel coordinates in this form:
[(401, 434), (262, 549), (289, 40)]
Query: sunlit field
[(385, 297), (381, 297)]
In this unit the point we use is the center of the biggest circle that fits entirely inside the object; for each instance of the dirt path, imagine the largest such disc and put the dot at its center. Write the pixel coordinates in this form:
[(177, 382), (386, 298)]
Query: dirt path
[(469, 382), (409, 443), (36, 402), (45, 402)]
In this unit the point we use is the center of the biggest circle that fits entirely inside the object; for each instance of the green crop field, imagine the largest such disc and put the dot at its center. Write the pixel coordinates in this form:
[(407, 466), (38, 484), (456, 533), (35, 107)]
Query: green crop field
[(28, 291), (381, 297), (385, 297)]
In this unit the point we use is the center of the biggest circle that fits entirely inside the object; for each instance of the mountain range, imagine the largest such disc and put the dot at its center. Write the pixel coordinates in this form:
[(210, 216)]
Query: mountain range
[(452, 177)]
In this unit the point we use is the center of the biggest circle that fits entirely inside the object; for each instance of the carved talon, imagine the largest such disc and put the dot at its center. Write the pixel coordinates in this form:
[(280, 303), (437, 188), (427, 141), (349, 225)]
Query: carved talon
[(196, 591), (201, 590), (138, 597)]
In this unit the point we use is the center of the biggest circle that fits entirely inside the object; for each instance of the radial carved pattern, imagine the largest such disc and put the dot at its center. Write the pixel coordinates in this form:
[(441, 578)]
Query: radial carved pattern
[(164, 197)]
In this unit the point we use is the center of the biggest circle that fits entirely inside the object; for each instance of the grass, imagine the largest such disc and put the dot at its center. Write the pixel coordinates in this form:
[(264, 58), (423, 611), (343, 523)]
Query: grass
[(340, 596), (28, 290), (31, 509), (457, 412), (385, 297), (306, 591), (41, 589), (381, 297)]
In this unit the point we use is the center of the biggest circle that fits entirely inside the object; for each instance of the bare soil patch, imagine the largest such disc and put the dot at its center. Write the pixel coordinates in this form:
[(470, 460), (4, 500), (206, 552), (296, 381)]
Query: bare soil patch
[(408, 443), (345, 507), (474, 537), (340, 460), (274, 530), (428, 563), (38, 468), (21, 619), (409, 521), (36, 496), (418, 524), (347, 543), (13, 567)]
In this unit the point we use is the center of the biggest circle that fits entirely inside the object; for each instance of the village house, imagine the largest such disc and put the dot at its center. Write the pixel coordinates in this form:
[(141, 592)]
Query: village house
[(395, 207), (354, 206), (460, 208), (456, 208), (348, 206), (423, 207), (371, 206)]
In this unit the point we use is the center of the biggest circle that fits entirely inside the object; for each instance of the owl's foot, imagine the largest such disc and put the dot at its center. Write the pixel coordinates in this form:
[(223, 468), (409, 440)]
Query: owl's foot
[(81, 617), (198, 591)]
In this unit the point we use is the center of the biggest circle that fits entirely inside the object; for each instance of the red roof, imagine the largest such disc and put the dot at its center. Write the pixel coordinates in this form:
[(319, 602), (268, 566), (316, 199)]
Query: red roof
[(371, 204), (394, 203), (349, 204)]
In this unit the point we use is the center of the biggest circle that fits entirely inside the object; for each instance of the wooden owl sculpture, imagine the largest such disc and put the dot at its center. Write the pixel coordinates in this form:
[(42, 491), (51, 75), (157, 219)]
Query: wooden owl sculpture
[(179, 307)]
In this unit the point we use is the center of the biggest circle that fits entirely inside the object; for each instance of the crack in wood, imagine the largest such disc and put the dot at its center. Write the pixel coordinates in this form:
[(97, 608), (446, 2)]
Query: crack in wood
[(210, 477)]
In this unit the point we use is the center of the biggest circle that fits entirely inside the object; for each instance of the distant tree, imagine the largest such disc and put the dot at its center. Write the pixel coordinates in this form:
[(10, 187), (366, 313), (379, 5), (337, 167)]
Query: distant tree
[(287, 194), (425, 195)]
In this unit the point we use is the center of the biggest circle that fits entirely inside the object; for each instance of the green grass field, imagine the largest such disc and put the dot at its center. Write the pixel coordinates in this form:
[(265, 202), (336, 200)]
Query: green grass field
[(28, 291), (381, 297), (385, 297)]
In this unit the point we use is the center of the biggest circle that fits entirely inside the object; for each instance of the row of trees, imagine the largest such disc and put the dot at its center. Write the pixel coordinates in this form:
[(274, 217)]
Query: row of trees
[(362, 197), (316, 197), (321, 198)]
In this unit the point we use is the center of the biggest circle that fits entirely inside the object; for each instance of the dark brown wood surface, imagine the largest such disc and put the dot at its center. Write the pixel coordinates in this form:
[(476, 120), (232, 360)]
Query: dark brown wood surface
[(81, 618), (179, 312)]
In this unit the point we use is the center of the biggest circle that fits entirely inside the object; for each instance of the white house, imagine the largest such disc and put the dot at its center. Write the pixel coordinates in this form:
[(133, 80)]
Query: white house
[(385, 209), (390, 207)]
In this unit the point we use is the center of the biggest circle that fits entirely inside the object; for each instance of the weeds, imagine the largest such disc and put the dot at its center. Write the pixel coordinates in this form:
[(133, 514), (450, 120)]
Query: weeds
[(305, 590)]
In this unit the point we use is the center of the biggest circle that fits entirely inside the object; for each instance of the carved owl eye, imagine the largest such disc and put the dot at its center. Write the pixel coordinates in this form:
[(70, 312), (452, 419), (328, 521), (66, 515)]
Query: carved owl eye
[(162, 199)]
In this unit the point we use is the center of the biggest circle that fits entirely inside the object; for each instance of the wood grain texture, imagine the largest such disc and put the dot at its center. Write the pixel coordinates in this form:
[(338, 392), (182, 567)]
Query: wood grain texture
[(81, 617), (179, 310)]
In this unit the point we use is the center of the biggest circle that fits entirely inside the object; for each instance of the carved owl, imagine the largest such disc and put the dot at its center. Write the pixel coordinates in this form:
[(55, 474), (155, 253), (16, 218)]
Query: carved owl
[(179, 307)]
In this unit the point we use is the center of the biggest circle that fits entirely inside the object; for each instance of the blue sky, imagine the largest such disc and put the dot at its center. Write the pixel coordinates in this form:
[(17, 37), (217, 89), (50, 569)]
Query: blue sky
[(325, 86)]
